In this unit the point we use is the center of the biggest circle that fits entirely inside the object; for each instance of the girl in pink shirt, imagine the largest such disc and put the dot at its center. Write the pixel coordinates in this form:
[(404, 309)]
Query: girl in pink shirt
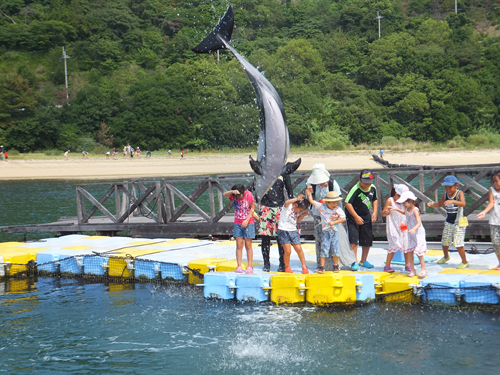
[(244, 225)]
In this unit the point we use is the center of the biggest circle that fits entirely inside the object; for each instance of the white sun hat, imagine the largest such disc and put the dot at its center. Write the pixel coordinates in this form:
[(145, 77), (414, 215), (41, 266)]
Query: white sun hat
[(400, 189), (405, 196), (319, 175)]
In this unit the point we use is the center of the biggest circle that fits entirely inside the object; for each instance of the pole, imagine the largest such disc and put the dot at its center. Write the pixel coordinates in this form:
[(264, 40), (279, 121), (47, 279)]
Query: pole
[(379, 17), (456, 7), (65, 57)]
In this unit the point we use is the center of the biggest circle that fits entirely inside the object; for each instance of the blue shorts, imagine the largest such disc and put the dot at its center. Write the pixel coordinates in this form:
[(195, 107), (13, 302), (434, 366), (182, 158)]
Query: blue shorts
[(330, 245), (247, 232), (289, 237)]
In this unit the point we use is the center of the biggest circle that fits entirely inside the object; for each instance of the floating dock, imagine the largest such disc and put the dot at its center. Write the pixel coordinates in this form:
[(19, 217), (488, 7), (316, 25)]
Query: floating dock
[(210, 265)]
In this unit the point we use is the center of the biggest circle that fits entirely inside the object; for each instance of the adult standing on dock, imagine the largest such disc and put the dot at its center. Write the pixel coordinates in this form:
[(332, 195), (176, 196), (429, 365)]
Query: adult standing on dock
[(322, 183), (269, 215), (359, 203)]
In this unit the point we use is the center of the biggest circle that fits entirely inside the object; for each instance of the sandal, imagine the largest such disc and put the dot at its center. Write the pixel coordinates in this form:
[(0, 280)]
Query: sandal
[(422, 274), (411, 274)]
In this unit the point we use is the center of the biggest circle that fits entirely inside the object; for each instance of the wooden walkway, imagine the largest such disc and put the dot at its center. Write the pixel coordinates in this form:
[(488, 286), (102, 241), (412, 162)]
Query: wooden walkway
[(162, 208)]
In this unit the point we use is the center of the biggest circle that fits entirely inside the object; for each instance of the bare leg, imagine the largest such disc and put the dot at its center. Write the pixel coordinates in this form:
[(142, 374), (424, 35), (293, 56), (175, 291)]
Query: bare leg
[(389, 259), (407, 258), (446, 254), (354, 247), (239, 250), (322, 261), (461, 251), (422, 263), (300, 253), (249, 248), (364, 255), (287, 249), (336, 260), (412, 264)]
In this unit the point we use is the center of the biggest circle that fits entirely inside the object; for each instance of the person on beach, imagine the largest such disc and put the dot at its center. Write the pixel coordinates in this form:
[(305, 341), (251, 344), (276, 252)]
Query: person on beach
[(66, 155), (148, 154), (169, 153), (494, 203), (138, 152), (125, 151), (6, 155), (321, 183), (453, 201), (361, 199), (182, 154), (244, 224), (131, 153), (396, 227), (269, 214), (381, 153), (85, 154), (291, 214), (416, 232), (331, 216)]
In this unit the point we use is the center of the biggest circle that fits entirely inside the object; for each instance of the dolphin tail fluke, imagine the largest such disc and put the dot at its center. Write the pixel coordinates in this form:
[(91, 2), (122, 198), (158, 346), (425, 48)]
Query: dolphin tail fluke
[(255, 165), (223, 30), (292, 167)]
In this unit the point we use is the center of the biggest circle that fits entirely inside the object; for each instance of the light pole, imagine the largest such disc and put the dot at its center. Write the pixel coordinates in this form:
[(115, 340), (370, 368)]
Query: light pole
[(65, 57), (379, 17)]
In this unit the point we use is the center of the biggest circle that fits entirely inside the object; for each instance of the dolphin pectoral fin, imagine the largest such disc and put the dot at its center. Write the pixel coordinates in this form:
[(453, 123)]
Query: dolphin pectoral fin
[(255, 165), (292, 167), (223, 30)]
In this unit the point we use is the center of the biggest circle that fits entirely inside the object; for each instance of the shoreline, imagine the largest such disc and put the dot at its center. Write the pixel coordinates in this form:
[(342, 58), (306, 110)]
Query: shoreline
[(210, 164)]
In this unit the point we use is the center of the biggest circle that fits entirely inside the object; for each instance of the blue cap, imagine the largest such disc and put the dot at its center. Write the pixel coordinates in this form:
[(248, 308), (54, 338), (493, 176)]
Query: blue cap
[(450, 181)]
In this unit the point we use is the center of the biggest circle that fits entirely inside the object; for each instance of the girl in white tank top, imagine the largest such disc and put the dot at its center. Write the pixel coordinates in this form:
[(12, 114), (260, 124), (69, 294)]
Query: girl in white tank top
[(494, 203)]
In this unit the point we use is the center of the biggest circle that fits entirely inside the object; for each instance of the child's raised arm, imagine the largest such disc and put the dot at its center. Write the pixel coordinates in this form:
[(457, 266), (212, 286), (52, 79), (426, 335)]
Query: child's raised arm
[(437, 204), (228, 193), (491, 204), (293, 200), (309, 195)]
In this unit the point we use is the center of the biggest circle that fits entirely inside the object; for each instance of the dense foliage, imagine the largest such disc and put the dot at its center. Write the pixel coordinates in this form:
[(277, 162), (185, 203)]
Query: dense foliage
[(434, 75)]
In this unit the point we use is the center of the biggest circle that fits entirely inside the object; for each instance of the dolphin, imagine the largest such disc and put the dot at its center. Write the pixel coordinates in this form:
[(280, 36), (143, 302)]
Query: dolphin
[(274, 143)]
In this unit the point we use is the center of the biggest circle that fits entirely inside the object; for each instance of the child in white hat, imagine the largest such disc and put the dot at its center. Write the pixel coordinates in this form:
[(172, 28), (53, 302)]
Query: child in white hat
[(396, 228), (331, 215), (416, 232)]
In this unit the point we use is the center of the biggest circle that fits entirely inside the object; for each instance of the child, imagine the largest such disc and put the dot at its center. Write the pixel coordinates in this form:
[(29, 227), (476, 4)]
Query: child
[(321, 184), (287, 230), (66, 155), (494, 203), (416, 232), (244, 225), (359, 201), (395, 227), (453, 201), (331, 215)]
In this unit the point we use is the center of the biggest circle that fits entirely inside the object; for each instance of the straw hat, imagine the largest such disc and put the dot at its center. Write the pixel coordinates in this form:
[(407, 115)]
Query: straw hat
[(319, 175), (405, 196), (332, 196)]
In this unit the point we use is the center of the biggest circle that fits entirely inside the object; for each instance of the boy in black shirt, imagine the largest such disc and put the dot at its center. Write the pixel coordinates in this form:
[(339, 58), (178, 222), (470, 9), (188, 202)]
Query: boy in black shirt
[(360, 200)]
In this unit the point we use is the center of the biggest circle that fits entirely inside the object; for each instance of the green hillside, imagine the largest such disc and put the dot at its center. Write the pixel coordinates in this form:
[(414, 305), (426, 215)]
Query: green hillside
[(432, 76)]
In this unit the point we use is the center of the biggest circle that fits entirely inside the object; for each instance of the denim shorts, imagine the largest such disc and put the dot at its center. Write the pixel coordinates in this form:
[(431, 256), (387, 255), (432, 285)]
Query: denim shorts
[(247, 232), (291, 237), (330, 245)]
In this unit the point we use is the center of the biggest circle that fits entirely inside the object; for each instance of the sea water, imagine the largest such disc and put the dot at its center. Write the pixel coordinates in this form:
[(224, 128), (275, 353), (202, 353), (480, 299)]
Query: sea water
[(66, 326)]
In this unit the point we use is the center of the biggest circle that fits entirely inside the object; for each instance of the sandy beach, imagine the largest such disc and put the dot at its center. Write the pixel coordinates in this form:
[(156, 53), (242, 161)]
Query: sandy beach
[(199, 164)]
